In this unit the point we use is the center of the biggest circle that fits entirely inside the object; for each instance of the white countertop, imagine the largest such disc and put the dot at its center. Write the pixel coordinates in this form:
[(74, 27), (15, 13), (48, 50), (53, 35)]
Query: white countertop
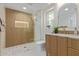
[(67, 35)]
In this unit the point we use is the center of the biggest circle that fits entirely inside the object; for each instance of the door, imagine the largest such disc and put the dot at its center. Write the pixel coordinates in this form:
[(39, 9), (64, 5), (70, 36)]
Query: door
[(19, 28)]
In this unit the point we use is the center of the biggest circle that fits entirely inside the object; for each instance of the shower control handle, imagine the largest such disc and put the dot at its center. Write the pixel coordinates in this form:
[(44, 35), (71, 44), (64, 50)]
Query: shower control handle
[(1, 24)]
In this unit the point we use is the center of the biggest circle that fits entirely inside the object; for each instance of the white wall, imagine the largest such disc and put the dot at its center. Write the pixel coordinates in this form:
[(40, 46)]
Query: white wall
[(78, 16), (2, 36), (39, 26)]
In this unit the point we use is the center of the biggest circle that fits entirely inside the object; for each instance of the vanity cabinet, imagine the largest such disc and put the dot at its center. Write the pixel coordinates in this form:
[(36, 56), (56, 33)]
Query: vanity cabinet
[(61, 46), (56, 46)]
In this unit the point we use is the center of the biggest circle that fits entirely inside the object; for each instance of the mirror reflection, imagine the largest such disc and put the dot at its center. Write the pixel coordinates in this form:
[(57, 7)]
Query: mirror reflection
[(67, 15)]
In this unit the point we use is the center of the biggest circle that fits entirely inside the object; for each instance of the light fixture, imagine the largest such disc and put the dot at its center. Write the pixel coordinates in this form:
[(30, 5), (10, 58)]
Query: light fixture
[(34, 17), (24, 8), (66, 9)]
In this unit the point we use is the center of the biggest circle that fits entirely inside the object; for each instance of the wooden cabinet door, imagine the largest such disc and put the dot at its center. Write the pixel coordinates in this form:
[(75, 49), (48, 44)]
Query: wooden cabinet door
[(62, 46), (51, 45), (54, 46), (69, 43), (48, 40), (73, 52)]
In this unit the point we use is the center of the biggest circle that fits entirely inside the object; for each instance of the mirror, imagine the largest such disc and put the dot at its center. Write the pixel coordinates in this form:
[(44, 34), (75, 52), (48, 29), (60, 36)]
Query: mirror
[(67, 15)]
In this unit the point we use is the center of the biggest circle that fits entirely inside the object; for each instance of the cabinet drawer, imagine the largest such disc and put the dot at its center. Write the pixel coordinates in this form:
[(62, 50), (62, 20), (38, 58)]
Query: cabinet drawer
[(73, 52), (75, 44)]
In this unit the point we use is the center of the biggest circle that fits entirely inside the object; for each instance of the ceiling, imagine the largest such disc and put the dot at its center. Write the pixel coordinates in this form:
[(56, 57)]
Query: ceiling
[(31, 7)]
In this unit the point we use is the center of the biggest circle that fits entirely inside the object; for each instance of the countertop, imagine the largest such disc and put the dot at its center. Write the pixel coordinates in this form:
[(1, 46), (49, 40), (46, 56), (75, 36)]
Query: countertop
[(74, 36)]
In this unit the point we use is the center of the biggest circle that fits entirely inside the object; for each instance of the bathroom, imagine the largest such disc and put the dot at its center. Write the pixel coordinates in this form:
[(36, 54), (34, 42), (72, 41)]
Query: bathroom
[(43, 18)]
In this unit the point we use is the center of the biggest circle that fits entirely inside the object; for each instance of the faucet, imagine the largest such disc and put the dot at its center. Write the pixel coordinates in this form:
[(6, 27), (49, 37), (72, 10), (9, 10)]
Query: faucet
[(75, 31)]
